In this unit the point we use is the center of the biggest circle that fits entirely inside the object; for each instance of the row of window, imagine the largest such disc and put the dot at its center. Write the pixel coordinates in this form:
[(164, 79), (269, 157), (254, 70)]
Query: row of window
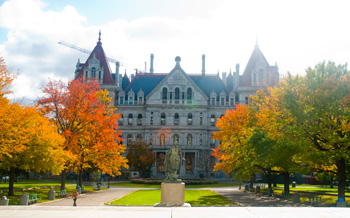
[(162, 139), (163, 120), (93, 74), (177, 95)]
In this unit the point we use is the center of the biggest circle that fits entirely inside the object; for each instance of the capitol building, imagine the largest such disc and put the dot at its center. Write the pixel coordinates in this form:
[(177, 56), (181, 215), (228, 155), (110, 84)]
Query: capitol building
[(178, 106)]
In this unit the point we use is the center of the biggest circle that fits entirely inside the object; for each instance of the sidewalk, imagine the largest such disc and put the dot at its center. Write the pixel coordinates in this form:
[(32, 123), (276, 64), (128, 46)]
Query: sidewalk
[(173, 212)]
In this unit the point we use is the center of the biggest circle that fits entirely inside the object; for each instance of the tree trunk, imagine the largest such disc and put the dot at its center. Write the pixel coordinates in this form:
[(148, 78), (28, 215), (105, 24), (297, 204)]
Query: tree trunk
[(269, 178), (341, 178), (286, 183), (12, 180), (275, 177), (81, 178), (63, 180)]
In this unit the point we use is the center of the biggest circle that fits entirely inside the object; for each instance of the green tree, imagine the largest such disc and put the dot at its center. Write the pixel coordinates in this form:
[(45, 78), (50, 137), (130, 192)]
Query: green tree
[(319, 103)]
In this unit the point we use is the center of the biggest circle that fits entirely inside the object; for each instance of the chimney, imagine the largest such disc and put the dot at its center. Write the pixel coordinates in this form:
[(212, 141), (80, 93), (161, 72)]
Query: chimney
[(236, 78), (120, 77), (117, 73), (151, 67), (133, 75), (224, 78), (203, 64)]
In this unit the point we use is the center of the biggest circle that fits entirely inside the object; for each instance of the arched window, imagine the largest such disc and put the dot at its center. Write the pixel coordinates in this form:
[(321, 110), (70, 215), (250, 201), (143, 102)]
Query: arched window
[(189, 119), (93, 72), (129, 139), (212, 120), (177, 93), (162, 119), (189, 140), (162, 140), (189, 94), (165, 94), (139, 138), (99, 75), (130, 118), (176, 119), (139, 120), (176, 138)]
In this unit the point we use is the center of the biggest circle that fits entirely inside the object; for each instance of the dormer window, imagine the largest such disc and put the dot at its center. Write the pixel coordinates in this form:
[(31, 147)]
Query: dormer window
[(140, 96), (131, 100), (99, 75)]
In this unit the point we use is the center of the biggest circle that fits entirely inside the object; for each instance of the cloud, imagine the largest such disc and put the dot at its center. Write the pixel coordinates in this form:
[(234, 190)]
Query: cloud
[(296, 34)]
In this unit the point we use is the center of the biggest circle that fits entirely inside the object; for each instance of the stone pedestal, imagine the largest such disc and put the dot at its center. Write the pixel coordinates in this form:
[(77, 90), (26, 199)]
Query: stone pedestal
[(51, 194), (172, 195)]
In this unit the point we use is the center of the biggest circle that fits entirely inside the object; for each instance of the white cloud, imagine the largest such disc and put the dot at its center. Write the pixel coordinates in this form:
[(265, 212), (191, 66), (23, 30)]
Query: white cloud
[(296, 34)]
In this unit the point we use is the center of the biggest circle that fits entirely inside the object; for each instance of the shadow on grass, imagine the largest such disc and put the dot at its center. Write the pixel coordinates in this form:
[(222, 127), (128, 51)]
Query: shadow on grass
[(211, 200)]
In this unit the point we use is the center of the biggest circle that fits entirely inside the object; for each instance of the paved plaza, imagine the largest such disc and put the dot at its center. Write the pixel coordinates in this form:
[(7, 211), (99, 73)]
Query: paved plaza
[(249, 205)]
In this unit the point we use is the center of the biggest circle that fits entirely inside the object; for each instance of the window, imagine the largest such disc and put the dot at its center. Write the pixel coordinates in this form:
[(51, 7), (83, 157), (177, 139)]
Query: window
[(162, 119), (165, 93), (130, 119), (99, 75), (86, 74), (213, 101), (121, 120), (150, 139), (151, 121), (162, 140), (176, 138), (189, 119), (139, 138), (232, 101), (189, 96), (131, 100), (140, 100), (93, 72), (212, 120), (222, 102), (246, 100), (129, 139), (201, 121), (139, 120), (177, 93), (176, 119), (121, 100), (189, 140)]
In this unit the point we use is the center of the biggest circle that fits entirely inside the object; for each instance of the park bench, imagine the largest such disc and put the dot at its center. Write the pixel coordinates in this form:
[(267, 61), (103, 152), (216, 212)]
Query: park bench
[(314, 200), (61, 193), (33, 199)]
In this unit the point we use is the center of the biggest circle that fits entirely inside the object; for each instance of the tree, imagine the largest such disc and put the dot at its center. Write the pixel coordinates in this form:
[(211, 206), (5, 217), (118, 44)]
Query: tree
[(141, 156), (87, 121), (235, 130), (28, 141), (319, 103)]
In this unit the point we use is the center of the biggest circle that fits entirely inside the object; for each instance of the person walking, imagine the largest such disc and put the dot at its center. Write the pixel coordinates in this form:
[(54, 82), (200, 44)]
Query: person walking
[(75, 196)]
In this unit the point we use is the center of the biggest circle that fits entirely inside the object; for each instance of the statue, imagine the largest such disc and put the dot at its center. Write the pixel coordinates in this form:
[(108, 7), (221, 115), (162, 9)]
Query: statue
[(172, 163)]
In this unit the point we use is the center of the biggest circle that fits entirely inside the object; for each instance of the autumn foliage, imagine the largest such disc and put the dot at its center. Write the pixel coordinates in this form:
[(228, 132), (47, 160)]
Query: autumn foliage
[(85, 118), (141, 156)]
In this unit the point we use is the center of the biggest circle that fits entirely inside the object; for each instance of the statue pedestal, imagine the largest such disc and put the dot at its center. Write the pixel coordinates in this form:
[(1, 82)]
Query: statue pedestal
[(173, 195)]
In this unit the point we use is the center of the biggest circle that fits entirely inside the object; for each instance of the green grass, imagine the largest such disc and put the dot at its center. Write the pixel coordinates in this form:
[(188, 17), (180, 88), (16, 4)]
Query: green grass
[(312, 188), (134, 185), (32, 184), (194, 197)]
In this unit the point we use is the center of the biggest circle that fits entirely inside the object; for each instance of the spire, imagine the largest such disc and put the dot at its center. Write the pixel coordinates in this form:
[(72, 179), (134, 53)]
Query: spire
[(99, 38)]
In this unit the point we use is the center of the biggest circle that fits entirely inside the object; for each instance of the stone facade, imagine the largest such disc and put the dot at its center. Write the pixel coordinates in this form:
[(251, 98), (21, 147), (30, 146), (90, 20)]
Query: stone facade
[(161, 108)]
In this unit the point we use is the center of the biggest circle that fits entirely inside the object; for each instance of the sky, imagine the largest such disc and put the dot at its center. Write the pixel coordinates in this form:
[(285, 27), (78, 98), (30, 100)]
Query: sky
[(294, 34)]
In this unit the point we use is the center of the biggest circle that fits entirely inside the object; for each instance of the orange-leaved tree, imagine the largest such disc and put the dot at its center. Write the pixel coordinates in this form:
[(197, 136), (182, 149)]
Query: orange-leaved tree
[(28, 140), (89, 124), (235, 130), (141, 156)]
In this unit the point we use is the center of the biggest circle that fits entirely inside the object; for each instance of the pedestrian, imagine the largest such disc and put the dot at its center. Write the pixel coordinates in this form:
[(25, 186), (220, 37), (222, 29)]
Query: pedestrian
[(75, 196)]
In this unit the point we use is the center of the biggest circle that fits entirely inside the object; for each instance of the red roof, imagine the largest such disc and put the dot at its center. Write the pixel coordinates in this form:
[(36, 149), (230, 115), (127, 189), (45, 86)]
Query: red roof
[(100, 55)]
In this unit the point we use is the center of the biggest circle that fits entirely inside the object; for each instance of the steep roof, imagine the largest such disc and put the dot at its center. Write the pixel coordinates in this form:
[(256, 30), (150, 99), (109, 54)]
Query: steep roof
[(146, 82), (100, 55), (208, 83), (257, 56)]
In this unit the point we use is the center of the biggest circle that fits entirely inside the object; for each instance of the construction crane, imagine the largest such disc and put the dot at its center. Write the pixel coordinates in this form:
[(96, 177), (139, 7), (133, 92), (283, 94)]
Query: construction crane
[(69, 45)]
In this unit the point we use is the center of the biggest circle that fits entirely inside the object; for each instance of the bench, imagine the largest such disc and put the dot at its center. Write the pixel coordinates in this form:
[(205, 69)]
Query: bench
[(33, 199), (314, 201), (61, 193)]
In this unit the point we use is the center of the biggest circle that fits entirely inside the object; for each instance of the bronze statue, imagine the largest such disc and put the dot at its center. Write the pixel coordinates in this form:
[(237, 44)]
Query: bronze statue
[(172, 162)]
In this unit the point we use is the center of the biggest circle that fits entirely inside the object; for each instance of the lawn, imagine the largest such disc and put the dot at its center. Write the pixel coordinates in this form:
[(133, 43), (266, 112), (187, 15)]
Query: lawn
[(32, 184), (129, 184), (193, 197)]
